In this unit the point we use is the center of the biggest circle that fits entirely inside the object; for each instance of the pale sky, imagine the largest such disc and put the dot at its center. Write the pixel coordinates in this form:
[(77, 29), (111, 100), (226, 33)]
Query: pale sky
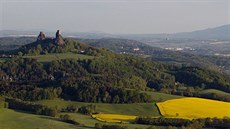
[(114, 16)]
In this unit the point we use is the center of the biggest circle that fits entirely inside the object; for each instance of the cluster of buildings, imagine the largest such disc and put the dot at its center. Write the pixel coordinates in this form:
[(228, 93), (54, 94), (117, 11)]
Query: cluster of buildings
[(179, 48)]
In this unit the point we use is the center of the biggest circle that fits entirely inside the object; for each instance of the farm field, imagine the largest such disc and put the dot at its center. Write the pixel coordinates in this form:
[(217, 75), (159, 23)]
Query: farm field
[(192, 108), (113, 110), (136, 109), (109, 113), (58, 56), (89, 122)]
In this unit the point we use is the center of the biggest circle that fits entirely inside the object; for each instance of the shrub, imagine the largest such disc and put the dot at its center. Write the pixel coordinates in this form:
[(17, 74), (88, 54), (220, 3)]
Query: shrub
[(98, 126), (31, 107), (113, 127), (89, 109), (66, 118)]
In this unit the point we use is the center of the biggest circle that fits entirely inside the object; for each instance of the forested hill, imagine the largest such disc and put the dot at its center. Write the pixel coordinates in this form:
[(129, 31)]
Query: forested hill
[(126, 46), (11, 43), (90, 74), (122, 45)]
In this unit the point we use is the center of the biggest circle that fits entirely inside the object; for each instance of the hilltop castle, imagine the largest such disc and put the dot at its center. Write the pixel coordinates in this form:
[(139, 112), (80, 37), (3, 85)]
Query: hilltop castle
[(41, 36), (58, 39)]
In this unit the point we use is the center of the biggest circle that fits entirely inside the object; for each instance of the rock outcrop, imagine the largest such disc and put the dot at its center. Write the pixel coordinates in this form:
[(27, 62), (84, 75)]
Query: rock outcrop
[(41, 36), (59, 40)]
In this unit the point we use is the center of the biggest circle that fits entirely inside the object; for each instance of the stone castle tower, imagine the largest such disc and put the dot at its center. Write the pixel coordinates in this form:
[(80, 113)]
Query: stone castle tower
[(41, 36), (59, 40)]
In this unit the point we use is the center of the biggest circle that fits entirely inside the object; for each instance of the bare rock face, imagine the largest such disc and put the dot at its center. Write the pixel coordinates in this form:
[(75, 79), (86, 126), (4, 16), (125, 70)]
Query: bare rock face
[(59, 40), (41, 36)]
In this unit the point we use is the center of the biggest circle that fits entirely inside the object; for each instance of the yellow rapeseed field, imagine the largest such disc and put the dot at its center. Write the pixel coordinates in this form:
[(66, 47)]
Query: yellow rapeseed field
[(113, 117), (193, 108)]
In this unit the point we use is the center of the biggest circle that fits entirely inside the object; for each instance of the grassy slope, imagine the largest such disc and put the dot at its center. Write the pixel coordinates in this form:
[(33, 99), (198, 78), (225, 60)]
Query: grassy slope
[(139, 109), (89, 122), (58, 56), (161, 96), (209, 91), (224, 95), (10, 119)]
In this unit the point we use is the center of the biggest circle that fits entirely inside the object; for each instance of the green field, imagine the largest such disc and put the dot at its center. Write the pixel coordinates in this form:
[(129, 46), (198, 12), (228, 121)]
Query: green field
[(208, 91), (219, 93), (139, 109), (157, 96), (50, 57), (10, 119), (89, 122)]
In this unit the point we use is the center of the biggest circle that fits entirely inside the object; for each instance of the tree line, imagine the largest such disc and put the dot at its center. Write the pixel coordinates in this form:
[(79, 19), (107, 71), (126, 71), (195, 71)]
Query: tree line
[(185, 123)]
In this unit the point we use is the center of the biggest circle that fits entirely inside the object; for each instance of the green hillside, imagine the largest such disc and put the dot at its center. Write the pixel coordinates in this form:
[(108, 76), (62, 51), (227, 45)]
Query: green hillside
[(58, 56), (215, 94), (139, 109), (89, 122), (10, 119), (157, 96)]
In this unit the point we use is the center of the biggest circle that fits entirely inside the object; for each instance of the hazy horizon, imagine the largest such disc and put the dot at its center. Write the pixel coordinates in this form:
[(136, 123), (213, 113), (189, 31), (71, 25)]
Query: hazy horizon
[(110, 16)]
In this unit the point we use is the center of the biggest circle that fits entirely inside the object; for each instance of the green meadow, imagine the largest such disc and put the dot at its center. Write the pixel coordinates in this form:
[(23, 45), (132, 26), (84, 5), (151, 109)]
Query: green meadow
[(58, 56)]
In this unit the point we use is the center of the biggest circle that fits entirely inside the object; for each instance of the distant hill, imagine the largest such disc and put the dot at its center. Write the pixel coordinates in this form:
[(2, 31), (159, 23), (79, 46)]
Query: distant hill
[(123, 46), (220, 33), (85, 35), (10, 43)]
